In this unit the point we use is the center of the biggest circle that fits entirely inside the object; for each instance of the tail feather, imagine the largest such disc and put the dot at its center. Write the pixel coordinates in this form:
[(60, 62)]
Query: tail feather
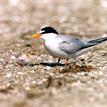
[(94, 42)]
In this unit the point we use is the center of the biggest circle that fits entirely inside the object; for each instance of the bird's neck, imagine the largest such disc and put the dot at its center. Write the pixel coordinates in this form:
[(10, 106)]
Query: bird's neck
[(49, 36)]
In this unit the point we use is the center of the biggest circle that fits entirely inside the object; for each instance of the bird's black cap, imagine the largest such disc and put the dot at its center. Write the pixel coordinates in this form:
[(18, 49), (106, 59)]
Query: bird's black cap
[(48, 30)]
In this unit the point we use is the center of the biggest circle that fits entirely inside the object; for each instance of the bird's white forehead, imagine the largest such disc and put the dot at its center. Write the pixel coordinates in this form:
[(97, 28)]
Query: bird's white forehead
[(41, 31)]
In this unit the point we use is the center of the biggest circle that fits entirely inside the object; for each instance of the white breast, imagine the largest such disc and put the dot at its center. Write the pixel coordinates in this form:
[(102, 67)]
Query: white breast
[(52, 47)]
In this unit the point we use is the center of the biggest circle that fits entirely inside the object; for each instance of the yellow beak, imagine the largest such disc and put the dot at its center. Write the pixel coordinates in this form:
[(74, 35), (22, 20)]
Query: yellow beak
[(37, 35)]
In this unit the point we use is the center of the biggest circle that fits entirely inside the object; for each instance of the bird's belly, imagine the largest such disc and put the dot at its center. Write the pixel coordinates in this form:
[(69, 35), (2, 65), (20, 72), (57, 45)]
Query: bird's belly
[(56, 52)]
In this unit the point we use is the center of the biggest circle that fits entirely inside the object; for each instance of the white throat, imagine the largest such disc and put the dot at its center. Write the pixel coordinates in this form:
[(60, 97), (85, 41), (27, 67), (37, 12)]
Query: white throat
[(48, 36)]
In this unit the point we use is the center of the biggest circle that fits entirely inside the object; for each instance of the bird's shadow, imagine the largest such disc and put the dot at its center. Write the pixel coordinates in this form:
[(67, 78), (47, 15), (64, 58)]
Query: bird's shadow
[(53, 64)]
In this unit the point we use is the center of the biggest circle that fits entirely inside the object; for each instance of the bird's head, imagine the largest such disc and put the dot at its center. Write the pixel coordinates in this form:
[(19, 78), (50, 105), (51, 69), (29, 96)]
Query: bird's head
[(45, 32)]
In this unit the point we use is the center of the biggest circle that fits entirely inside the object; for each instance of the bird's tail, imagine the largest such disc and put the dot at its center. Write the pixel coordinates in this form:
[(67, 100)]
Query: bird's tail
[(96, 41)]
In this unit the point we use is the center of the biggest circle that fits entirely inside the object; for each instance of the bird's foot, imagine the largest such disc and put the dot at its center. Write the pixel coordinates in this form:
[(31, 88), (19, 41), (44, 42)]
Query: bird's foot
[(66, 62)]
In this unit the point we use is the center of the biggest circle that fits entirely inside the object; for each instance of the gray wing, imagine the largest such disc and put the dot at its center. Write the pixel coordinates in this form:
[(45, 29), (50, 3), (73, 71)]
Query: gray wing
[(71, 45)]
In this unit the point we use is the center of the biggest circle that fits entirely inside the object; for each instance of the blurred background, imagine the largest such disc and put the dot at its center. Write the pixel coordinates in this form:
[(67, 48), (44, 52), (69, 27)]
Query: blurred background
[(43, 86), (67, 16)]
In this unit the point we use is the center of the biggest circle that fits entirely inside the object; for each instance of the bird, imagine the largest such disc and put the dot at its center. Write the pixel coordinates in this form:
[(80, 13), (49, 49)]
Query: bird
[(65, 46)]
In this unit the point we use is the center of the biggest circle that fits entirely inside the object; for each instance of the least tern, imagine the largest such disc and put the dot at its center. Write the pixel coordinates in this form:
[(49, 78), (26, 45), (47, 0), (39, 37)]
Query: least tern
[(64, 46)]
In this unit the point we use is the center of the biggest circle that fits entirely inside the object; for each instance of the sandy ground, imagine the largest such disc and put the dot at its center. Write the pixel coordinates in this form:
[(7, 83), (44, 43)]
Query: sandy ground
[(26, 77)]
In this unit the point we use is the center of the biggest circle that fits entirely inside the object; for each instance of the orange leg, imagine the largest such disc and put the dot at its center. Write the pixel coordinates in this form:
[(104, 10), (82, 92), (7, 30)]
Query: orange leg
[(66, 62)]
